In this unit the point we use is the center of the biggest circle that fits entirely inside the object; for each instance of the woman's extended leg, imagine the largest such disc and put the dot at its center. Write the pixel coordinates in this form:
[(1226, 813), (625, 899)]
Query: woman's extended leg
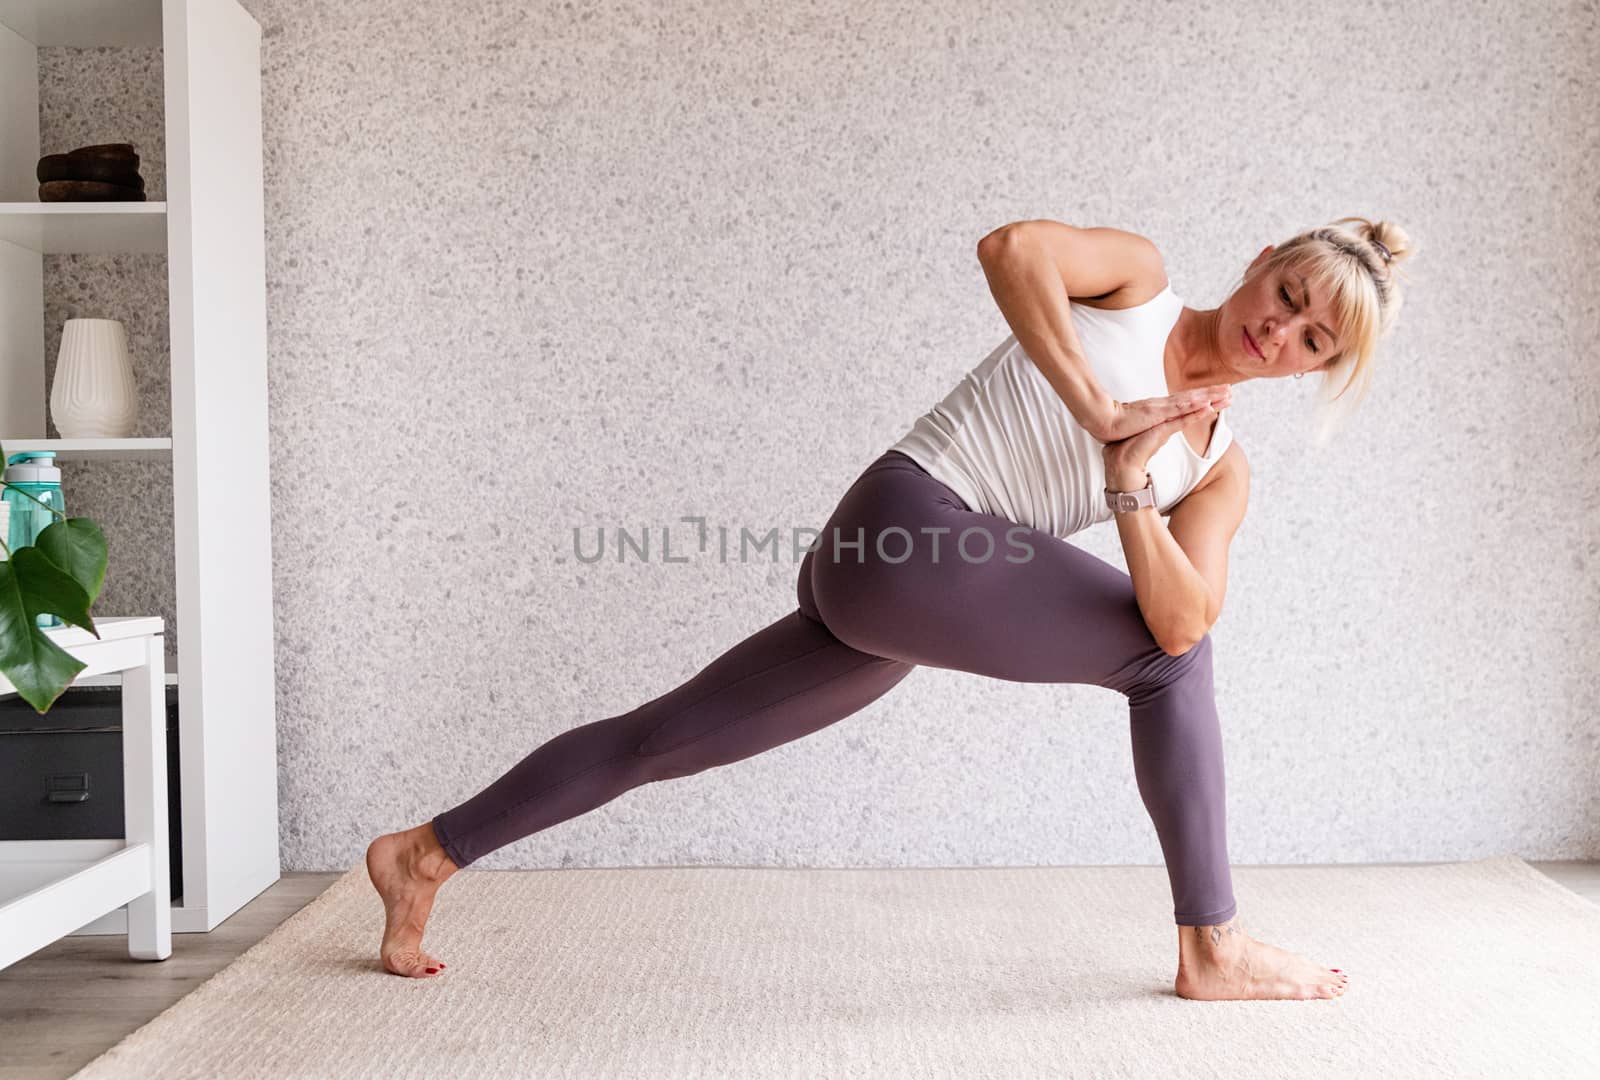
[(785, 681)]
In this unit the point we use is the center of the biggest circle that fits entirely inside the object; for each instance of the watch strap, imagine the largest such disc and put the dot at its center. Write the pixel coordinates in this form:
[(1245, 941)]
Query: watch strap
[(1123, 502)]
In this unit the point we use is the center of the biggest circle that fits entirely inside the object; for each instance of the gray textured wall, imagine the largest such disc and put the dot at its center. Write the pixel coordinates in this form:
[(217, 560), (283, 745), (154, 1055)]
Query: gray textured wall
[(609, 265)]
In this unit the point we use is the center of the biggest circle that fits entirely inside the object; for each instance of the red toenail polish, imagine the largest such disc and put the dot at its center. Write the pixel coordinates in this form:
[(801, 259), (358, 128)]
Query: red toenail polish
[(432, 970)]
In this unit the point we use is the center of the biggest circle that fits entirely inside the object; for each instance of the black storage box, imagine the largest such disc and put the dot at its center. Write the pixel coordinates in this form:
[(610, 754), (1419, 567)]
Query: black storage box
[(61, 773)]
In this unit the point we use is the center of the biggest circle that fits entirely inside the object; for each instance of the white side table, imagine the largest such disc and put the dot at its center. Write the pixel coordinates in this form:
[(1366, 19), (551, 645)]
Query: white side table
[(49, 888)]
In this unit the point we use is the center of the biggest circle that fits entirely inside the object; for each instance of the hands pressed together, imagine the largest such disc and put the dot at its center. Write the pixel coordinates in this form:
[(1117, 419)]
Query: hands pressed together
[(1134, 430)]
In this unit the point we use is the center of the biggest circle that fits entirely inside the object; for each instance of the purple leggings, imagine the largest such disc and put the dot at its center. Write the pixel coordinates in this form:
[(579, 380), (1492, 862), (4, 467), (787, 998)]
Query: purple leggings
[(904, 574)]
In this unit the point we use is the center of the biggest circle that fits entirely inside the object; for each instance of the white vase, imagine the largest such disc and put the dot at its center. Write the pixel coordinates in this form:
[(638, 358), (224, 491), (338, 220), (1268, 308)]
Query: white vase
[(93, 393)]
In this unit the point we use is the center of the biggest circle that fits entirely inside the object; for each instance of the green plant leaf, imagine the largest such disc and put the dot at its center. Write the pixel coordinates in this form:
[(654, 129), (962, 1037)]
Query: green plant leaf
[(46, 589), (38, 667), (77, 546)]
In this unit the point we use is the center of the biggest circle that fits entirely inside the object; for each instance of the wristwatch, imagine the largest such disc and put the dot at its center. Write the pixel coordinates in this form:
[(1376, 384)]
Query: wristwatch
[(1124, 501)]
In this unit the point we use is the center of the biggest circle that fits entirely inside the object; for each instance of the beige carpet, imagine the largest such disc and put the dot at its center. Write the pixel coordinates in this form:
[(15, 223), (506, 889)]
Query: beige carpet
[(1483, 969)]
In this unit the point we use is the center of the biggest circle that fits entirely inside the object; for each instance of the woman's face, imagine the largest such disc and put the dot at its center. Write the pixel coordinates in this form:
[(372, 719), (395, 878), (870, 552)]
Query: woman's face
[(1268, 329)]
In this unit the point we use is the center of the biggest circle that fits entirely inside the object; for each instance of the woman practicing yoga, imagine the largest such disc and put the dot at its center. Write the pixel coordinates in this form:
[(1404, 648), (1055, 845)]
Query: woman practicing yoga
[(949, 551)]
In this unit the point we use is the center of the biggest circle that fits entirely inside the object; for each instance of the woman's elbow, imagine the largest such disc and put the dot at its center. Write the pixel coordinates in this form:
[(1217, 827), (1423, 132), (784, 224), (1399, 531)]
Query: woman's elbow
[(1176, 642)]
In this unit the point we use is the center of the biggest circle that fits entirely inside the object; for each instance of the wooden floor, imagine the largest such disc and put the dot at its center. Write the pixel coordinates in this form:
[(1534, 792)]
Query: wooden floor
[(71, 1001)]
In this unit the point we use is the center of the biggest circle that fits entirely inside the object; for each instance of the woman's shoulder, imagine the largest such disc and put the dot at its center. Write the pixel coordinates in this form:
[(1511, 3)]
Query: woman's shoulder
[(1148, 283)]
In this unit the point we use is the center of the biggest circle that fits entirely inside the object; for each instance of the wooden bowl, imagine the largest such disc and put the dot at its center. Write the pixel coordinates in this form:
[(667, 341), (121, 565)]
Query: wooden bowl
[(109, 170)]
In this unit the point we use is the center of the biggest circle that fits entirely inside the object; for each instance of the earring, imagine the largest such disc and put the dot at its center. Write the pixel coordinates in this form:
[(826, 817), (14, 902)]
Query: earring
[(1298, 374)]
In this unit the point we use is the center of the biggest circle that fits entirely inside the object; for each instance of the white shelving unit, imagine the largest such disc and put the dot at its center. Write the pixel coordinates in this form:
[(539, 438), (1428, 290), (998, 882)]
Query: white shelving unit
[(211, 229)]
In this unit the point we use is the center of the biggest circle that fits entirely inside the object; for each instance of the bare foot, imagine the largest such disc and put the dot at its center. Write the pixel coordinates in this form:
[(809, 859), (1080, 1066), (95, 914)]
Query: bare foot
[(407, 869), (1223, 963)]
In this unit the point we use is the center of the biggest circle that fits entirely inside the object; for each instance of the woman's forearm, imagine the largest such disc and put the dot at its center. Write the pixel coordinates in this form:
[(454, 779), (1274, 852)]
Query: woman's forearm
[(1173, 596), (1029, 291)]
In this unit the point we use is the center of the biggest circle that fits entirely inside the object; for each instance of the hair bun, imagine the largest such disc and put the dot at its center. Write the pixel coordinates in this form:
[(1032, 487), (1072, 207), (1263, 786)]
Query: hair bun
[(1387, 255)]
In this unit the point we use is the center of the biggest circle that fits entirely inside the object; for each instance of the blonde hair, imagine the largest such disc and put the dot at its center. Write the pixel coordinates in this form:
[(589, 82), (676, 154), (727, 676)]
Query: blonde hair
[(1343, 259)]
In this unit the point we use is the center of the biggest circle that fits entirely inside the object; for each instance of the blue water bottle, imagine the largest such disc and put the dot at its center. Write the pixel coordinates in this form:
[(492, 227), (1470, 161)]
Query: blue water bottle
[(34, 472)]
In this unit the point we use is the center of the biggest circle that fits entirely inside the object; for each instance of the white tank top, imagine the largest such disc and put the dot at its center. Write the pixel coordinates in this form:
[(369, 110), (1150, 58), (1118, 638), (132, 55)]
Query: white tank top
[(1007, 444)]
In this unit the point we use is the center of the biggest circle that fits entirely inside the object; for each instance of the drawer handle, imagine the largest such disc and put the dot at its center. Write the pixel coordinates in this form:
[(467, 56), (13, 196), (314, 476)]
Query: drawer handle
[(67, 788)]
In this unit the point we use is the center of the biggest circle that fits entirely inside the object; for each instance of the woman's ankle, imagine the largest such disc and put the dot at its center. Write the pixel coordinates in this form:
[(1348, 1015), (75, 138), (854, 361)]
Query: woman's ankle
[(1207, 944), (429, 856)]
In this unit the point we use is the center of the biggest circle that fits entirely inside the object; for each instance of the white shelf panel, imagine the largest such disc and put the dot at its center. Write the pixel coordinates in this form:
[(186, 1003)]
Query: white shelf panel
[(21, 877), (143, 449), (115, 679), (84, 23), (79, 228)]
